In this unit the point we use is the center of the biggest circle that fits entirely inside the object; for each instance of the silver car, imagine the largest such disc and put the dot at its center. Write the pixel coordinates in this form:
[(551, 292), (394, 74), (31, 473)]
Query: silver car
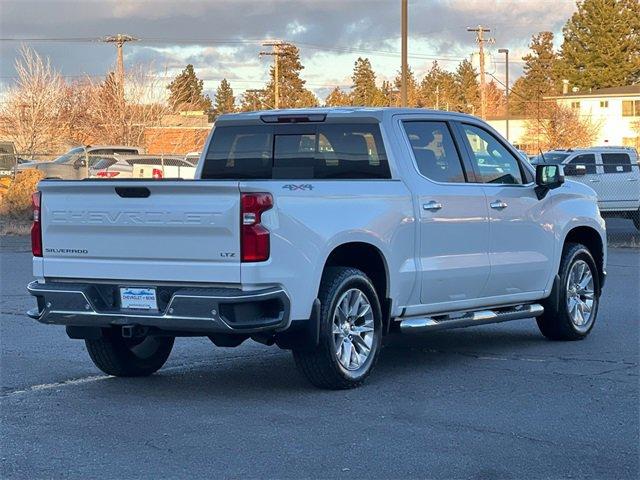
[(73, 164)]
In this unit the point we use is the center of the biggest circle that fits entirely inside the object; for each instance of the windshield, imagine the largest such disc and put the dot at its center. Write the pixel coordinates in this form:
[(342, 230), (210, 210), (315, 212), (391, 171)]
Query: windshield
[(70, 156), (552, 158), (104, 163)]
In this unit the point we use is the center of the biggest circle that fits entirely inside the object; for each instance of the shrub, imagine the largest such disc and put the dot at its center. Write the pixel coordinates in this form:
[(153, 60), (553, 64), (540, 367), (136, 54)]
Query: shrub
[(16, 200)]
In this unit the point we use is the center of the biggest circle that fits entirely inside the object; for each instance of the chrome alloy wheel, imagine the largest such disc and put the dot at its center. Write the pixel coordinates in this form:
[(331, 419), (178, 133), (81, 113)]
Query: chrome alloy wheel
[(353, 329), (580, 295)]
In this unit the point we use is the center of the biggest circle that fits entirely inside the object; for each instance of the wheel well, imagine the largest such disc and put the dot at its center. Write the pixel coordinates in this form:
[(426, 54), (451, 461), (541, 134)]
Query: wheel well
[(590, 238), (367, 258)]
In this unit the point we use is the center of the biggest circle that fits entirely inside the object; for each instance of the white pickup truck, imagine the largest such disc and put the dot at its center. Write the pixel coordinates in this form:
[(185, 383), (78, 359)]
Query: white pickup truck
[(612, 172), (320, 231)]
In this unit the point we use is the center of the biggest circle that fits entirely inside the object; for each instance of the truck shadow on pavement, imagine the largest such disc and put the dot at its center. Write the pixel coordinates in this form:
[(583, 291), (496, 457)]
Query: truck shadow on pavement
[(411, 358)]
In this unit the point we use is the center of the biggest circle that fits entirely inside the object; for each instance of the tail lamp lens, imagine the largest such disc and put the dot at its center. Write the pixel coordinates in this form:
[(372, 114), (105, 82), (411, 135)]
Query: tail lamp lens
[(254, 237), (36, 230), (105, 174)]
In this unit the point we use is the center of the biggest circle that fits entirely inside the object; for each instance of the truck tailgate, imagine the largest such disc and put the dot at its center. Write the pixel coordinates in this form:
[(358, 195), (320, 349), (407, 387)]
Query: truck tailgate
[(160, 231)]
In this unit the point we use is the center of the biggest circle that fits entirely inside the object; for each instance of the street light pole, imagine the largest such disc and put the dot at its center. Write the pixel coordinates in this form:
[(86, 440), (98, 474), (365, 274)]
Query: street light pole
[(506, 57), (405, 67)]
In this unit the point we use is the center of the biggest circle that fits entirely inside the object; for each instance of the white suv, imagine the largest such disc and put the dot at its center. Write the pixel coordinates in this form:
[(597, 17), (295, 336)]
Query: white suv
[(612, 172)]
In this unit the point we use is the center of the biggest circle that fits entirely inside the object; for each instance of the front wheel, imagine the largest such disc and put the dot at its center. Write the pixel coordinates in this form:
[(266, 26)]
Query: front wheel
[(350, 331), (636, 219), (129, 357), (575, 314)]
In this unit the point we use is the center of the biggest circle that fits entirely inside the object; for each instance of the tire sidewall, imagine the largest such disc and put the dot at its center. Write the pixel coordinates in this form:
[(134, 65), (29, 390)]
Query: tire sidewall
[(361, 282), (583, 254)]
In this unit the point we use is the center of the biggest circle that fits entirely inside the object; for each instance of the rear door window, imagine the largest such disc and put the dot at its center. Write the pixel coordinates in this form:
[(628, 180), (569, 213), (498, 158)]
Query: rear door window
[(616, 163), (323, 151), (435, 153)]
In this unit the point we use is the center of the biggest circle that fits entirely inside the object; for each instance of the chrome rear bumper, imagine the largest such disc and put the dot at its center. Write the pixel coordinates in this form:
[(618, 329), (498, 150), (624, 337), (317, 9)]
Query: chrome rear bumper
[(192, 310)]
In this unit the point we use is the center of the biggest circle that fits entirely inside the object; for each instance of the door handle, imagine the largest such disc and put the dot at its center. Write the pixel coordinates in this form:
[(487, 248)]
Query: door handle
[(432, 206), (498, 205), (595, 180), (632, 179)]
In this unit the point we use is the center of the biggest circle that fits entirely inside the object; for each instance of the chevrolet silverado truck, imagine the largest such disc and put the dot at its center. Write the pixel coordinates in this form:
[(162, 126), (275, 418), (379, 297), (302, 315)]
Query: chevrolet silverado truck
[(319, 231)]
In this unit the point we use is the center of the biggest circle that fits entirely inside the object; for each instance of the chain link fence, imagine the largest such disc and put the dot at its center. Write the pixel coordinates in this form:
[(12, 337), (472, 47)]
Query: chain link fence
[(617, 186), (80, 165)]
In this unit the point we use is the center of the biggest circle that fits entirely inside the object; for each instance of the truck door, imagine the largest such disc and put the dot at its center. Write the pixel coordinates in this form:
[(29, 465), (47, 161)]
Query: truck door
[(521, 246), (453, 220), (583, 168), (619, 183)]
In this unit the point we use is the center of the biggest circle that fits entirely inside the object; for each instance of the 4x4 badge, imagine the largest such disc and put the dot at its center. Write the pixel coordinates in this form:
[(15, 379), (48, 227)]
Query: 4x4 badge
[(292, 187)]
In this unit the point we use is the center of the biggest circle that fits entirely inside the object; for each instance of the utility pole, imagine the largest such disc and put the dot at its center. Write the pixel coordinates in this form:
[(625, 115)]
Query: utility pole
[(405, 67), (480, 40), (276, 52), (506, 85), (255, 92), (120, 39)]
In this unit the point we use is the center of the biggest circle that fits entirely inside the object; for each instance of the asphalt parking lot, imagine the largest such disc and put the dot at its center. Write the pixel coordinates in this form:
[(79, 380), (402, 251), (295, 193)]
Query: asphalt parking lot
[(488, 403)]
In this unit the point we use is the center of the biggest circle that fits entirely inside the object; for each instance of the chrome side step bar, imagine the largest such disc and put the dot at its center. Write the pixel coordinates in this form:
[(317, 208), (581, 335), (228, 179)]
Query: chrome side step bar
[(469, 319)]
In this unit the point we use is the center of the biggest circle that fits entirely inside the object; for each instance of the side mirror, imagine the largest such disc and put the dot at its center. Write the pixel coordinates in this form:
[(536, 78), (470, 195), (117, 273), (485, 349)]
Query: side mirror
[(548, 177)]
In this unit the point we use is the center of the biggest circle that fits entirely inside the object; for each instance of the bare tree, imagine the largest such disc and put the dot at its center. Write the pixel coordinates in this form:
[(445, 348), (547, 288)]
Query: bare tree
[(31, 112), (120, 115), (560, 127)]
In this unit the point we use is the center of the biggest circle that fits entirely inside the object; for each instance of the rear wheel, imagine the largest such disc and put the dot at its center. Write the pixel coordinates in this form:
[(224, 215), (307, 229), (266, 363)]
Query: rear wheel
[(636, 219), (575, 314), (350, 331), (129, 357)]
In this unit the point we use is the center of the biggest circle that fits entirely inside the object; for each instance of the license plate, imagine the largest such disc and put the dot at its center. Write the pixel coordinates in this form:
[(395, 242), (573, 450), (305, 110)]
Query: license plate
[(136, 298)]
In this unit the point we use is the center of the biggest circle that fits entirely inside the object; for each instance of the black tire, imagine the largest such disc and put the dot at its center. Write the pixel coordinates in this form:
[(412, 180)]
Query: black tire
[(636, 219), (321, 365), (556, 322), (129, 357)]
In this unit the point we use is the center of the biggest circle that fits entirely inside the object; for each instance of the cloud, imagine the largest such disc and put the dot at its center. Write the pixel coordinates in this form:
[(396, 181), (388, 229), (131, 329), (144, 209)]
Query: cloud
[(222, 39)]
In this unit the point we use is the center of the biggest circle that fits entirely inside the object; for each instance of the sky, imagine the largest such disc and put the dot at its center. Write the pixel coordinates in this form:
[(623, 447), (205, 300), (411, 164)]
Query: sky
[(222, 39)]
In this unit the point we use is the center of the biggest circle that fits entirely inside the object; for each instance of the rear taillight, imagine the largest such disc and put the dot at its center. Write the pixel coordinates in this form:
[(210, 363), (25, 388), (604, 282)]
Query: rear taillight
[(156, 173), (254, 237), (105, 174), (36, 230)]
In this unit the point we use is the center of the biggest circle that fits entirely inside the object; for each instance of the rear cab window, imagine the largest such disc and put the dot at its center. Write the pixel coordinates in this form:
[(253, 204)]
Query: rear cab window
[(297, 151), (616, 162)]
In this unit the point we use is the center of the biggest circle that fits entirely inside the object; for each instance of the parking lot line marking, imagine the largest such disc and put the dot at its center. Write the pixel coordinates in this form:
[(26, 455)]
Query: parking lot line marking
[(96, 378), (50, 386)]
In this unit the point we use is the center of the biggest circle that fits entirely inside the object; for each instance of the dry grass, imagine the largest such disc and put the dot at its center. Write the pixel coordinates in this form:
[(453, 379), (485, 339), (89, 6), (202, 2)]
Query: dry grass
[(15, 200)]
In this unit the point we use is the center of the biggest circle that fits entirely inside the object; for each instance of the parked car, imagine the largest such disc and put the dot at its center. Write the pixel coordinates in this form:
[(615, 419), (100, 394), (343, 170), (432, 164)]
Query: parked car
[(8, 158), (613, 172), (73, 164), (192, 157), (143, 166), (319, 230)]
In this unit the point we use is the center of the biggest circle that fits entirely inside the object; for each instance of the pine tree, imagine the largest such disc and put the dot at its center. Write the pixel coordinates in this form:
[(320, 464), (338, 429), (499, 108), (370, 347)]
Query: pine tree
[(337, 98), (186, 92), (468, 88), (601, 45), (496, 100), (540, 76), (224, 101), (438, 89), (388, 97), (252, 101), (413, 94), (291, 90), (364, 92)]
